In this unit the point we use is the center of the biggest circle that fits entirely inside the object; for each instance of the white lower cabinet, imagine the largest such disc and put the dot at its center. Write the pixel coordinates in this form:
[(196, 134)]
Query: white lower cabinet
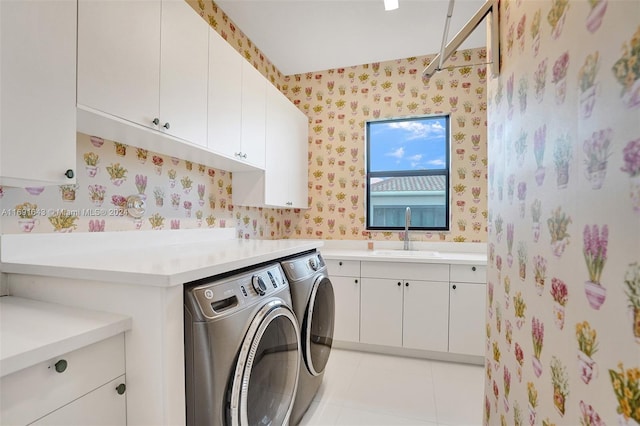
[(425, 315), (431, 307), (381, 312), (467, 299), (82, 387), (347, 308), (345, 278), (405, 311), (102, 407)]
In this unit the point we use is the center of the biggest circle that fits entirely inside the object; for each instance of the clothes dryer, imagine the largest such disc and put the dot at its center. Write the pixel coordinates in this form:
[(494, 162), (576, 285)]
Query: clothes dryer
[(242, 349), (314, 306)]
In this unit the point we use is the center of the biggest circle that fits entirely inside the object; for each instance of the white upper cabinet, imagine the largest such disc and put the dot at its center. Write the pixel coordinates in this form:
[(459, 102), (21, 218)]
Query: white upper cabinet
[(184, 72), (285, 179), (225, 99), (254, 86), (145, 62), (37, 92), (286, 155), (237, 105), (119, 58)]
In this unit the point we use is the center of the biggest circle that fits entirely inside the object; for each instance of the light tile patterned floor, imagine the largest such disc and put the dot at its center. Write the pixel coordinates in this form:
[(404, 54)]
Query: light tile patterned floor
[(370, 389)]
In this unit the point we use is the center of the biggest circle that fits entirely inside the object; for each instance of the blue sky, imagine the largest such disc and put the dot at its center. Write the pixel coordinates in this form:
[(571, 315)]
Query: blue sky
[(411, 144)]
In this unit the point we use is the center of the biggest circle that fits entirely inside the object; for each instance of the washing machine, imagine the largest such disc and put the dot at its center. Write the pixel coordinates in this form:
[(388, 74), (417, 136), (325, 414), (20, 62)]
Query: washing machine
[(314, 306), (242, 349)]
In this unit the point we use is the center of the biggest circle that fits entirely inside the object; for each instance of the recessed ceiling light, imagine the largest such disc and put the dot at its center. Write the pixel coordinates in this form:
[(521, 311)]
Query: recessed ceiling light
[(390, 4)]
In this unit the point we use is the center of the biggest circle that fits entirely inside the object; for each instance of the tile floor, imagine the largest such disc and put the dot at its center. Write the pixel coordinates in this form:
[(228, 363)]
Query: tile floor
[(370, 389)]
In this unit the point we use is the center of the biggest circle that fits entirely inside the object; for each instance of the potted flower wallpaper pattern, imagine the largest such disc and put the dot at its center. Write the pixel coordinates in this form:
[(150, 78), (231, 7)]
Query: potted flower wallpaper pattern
[(337, 101), (177, 193), (564, 216), (340, 101)]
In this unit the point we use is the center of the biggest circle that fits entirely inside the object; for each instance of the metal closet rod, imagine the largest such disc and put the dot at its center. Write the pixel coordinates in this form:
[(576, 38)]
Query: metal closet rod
[(465, 65), (491, 6), (446, 33)]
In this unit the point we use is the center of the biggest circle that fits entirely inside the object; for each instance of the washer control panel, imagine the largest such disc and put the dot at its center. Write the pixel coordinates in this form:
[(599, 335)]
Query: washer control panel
[(302, 267), (222, 297)]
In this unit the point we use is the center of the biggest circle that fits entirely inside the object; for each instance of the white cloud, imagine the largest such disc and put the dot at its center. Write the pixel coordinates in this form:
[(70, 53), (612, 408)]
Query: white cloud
[(418, 130), (437, 162), (398, 153)]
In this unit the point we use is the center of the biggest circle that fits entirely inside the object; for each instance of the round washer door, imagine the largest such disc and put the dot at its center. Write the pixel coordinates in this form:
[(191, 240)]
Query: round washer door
[(318, 325), (265, 380)]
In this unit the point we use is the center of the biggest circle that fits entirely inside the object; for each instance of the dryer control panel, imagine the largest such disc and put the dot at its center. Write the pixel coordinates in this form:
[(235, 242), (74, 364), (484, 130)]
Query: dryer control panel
[(217, 298)]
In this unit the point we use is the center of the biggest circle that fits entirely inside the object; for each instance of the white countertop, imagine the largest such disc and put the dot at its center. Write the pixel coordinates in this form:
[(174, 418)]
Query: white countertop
[(32, 331), (420, 252), (157, 258), (401, 256)]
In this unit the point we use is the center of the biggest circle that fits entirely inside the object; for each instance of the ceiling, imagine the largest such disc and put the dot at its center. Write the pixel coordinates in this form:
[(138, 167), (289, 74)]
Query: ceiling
[(301, 36)]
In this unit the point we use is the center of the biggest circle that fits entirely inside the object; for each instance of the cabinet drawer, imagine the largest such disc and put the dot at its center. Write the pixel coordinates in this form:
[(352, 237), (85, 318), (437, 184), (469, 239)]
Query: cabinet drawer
[(101, 407), (469, 273), (406, 271), (29, 394), (343, 268)]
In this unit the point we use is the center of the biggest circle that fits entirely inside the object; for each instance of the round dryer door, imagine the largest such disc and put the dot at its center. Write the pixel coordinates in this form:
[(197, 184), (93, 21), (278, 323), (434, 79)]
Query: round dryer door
[(318, 325), (265, 380)]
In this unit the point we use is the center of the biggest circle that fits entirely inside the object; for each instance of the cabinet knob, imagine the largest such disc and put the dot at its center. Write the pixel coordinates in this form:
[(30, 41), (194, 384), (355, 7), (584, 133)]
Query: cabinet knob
[(356, 281), (340, 263), (156, 121), (406, 284), (166, 125), (121, 388), (473, 268), (399, 283), (61, 366), (69, 174), (453, 286)]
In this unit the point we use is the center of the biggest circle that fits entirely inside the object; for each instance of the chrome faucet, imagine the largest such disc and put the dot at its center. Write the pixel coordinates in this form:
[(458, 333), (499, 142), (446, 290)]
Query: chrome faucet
[(407, 224)]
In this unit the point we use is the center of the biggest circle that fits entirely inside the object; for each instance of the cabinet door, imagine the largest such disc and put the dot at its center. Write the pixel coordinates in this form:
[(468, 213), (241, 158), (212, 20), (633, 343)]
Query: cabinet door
[(184, 72), (119, 58), (426, 315), (254, 86), (299, 148), (101, 407), (225, 90), (467, 318), (347, 304), (37, 81), (33, 392), (277, 157), (381, 312), (286, 157)]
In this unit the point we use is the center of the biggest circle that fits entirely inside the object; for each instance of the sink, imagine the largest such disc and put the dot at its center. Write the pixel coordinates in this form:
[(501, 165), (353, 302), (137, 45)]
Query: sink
[(407, 253)]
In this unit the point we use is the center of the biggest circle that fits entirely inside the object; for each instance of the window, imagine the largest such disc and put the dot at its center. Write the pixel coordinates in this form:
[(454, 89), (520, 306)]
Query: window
[(408, 166)]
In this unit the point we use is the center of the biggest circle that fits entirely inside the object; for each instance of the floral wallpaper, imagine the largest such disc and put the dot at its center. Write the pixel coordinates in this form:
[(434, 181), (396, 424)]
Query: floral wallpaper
[(338, 101), (563, 315), (177, 194)]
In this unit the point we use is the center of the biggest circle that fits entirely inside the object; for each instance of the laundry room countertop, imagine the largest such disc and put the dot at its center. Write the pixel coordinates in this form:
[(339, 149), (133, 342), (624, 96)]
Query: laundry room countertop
[(32, 331), (156, 258), (420, 252)]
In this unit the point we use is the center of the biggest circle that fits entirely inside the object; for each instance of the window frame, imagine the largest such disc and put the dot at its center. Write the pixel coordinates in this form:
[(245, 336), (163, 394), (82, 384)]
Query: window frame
[(446, 172)]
